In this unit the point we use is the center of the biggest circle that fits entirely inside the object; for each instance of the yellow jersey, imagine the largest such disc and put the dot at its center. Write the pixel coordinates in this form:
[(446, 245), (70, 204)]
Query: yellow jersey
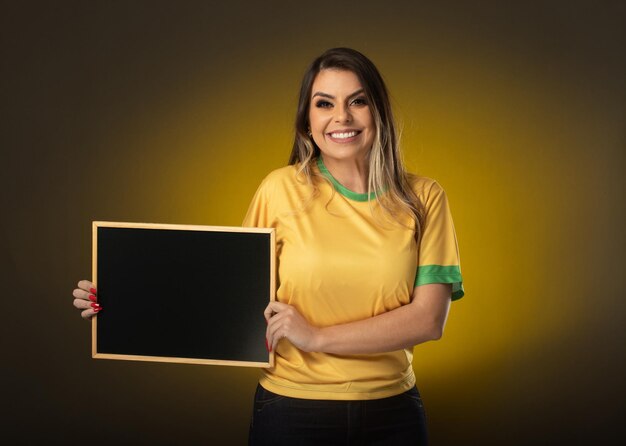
[(338, 263)]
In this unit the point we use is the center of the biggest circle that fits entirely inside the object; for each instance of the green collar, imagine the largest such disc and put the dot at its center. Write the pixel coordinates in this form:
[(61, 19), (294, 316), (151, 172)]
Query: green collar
[(340, 187)]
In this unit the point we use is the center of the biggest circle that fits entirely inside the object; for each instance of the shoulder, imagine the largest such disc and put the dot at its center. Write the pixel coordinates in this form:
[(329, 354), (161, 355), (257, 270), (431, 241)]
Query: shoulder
[(280, 181), (426, 188), (281, 175)]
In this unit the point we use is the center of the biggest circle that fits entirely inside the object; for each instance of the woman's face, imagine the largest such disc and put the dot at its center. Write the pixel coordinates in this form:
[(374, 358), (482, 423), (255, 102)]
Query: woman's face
[(341, 122)]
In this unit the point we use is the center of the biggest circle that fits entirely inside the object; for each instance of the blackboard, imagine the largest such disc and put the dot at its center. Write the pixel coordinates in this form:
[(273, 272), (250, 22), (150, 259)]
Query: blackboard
[(182, 293)]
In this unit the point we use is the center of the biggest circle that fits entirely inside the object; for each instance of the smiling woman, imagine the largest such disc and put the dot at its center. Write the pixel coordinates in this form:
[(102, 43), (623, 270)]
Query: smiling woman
[(343, 93), (341, 123), (355, 293)]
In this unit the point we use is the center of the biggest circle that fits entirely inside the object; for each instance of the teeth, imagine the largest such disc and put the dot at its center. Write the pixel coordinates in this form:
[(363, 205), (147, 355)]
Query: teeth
[(343, 135)]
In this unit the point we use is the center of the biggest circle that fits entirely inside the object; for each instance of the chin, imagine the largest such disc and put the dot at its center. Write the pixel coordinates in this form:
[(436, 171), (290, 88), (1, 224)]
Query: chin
[(344, 154)]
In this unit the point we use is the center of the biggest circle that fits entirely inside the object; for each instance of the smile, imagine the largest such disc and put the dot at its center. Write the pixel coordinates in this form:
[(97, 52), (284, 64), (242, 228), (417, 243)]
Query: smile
[(343, 136)]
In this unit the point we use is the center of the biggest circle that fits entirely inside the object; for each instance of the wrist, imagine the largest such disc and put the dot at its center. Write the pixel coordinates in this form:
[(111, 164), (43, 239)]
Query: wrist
[(319, 340)]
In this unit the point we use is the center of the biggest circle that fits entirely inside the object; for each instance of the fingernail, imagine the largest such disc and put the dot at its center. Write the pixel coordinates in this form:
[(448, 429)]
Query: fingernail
[(97, 310), (92, 298), (267, 346), (95, 306), (92, 291)]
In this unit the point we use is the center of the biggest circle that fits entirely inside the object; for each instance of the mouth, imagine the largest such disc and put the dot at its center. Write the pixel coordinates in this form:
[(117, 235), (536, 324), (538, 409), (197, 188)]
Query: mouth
[(344, 135)]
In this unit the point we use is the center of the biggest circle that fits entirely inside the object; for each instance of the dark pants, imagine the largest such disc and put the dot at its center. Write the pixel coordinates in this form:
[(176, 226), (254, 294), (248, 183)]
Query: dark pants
[(279, 420)]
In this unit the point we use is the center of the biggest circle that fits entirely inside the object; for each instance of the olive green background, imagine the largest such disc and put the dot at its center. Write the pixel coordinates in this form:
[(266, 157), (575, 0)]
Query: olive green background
[(163, 112)]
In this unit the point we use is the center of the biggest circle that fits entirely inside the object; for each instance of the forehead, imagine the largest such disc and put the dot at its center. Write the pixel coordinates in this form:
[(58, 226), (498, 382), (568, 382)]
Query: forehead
[(336, 82)]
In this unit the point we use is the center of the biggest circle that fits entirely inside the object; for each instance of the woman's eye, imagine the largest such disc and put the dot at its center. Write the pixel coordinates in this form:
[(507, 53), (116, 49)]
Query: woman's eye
[(323, 104), (360, 101)]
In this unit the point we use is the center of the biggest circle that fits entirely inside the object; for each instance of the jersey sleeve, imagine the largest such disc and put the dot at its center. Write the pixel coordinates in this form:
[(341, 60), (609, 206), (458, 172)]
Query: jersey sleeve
[(260, 212), (439, 260)]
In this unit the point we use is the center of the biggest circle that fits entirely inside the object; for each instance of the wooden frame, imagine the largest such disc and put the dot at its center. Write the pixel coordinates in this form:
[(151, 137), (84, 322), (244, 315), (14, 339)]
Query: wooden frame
[(135, 316)]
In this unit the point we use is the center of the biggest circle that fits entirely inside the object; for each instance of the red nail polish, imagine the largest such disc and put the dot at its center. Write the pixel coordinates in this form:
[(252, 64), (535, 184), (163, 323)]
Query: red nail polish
[(267, 346), (92, 298), (95, 305), (92, 291), (97, 310)]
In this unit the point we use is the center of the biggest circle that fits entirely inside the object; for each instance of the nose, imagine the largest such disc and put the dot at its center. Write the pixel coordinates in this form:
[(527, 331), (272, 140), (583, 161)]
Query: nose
[(342, 114)]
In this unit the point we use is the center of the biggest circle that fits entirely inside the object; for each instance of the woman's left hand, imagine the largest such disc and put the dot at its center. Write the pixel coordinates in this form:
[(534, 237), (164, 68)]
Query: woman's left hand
[(284, 321)]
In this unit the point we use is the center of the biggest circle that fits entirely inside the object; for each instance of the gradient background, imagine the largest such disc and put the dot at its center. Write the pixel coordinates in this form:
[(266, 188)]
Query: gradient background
[(151, 111)]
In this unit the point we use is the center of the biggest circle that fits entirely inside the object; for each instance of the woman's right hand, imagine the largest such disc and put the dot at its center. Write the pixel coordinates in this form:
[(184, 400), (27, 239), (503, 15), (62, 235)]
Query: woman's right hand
[(86, 299)]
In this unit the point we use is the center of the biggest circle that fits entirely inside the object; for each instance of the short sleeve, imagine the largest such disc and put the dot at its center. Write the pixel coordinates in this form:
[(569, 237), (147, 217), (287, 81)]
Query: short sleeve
[(259, 213), (439, 260)]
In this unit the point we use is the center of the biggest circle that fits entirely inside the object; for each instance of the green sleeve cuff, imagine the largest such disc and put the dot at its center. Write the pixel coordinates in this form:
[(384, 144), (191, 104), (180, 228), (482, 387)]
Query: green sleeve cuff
[(441, 274)]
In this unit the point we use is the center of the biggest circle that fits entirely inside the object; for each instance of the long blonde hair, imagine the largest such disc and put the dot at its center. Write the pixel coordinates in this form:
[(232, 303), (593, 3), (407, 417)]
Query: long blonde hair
[(386, 168)]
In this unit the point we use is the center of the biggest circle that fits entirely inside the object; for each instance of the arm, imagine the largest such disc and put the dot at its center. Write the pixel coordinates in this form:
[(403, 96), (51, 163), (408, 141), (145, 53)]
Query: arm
[(420, 321)]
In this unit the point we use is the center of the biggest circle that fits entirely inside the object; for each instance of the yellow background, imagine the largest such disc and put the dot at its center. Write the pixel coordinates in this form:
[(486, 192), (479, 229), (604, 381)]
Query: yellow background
[(157, 112)]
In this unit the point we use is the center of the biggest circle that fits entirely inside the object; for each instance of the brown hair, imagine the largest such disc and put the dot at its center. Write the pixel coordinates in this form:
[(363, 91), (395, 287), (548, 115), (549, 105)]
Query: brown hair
[(386, 168)]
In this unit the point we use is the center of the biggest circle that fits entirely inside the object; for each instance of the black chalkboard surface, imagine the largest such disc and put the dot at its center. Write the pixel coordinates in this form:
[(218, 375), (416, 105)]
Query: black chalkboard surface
[(182, 293)]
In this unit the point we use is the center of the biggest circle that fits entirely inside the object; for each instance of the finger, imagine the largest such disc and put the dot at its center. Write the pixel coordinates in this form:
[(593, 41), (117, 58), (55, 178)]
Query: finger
[(278, 335), (268, 312), (85, 295), (274, 324), (270, 336), (83, 304), (279, 328), (87, 314), (269, 333), (274, 307), (87, 286), (282, 320)]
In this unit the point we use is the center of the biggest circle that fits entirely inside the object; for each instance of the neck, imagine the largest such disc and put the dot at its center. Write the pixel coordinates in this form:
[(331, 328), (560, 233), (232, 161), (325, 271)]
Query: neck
[(351, 173)]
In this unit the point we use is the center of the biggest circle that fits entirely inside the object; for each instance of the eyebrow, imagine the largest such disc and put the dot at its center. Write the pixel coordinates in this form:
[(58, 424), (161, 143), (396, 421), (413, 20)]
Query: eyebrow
[(329, 96)]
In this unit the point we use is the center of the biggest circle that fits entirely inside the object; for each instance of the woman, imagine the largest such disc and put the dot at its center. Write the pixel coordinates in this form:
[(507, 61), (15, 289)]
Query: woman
[(367, 266)]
